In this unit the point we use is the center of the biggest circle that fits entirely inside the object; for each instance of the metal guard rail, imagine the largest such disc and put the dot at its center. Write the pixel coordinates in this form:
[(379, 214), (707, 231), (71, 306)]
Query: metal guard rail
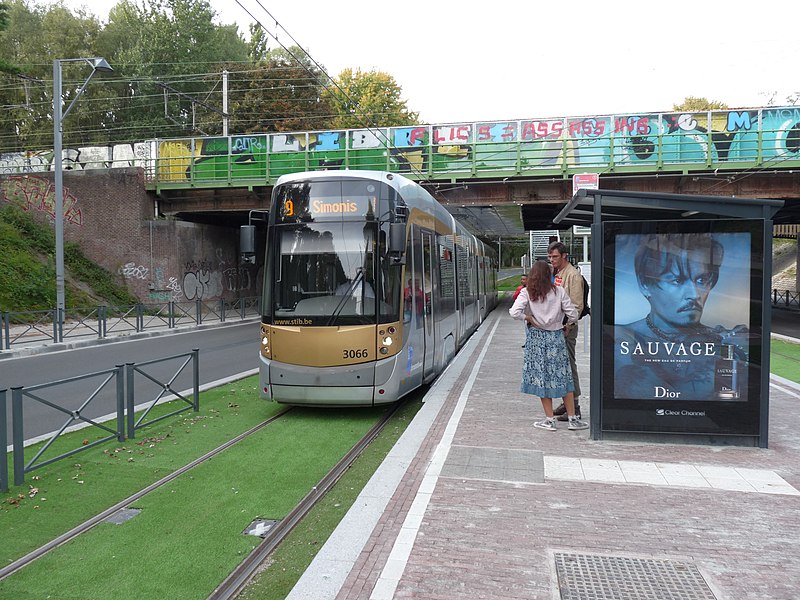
[(125, 397), (50, 326)]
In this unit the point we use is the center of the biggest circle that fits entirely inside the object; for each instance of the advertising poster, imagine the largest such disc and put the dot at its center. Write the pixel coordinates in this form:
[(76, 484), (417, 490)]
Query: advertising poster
[(682, 327)]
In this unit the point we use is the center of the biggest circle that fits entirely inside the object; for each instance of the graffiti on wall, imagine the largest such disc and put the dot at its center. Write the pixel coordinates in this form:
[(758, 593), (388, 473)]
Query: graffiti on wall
[(78, 159), (32, 193)]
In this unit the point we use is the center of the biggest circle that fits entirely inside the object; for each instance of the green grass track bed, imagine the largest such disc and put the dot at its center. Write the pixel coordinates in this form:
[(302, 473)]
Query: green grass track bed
[(188, 536)]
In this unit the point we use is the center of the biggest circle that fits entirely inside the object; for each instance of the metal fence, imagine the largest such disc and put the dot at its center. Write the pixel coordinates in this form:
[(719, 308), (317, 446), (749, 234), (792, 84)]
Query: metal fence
[(785, 298), (124, 397), (54, 326)]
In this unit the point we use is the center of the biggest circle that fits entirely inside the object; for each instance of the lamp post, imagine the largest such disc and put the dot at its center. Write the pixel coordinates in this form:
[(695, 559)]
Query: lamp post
[(97, 64)]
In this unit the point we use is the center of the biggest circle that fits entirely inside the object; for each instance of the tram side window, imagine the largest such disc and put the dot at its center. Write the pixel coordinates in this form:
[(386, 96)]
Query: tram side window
[(447, 279), (389, 281)]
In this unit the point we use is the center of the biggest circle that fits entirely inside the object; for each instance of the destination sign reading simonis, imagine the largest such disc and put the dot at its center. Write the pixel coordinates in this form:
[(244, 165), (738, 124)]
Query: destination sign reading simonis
[(325, 208)]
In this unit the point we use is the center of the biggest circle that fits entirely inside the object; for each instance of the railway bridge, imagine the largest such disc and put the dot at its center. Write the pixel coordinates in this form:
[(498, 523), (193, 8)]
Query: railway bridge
[(502, 177)]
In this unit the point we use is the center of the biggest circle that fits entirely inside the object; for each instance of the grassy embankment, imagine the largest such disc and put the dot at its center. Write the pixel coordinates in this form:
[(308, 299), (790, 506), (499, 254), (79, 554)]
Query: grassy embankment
[(28, 273)]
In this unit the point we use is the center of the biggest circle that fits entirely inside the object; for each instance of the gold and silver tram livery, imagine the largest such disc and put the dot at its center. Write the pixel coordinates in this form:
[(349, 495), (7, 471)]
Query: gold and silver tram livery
[(370, 288)]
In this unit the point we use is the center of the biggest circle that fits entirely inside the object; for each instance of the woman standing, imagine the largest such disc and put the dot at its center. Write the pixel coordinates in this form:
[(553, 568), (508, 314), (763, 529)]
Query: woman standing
[(545, 370)]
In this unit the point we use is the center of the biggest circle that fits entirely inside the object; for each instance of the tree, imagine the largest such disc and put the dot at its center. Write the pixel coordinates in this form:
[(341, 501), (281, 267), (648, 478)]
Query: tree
[(34, 37), (694, 104), (4, 66), (165, 51), (371, 99), (282, 92)]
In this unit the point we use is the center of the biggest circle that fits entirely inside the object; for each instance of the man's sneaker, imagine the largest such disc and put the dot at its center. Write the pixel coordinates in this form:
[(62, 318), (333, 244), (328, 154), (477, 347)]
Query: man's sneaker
[(560, 410), (549, 424), (575, 423), (562, 416)]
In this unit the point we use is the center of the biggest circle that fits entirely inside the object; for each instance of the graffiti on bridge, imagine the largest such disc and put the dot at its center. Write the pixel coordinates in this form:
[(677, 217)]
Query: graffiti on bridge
[(77, 159)]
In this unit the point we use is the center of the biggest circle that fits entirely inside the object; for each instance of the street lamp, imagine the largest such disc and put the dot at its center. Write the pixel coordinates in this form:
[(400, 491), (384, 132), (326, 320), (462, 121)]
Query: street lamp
[(97, 64)]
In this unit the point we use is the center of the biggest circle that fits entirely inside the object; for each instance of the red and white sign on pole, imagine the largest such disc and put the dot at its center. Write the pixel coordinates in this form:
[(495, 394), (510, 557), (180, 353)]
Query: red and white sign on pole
[(588, 181)]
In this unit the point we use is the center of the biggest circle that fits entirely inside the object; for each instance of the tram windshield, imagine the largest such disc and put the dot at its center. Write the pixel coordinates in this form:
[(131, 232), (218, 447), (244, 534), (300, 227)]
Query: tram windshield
[(327, 260)]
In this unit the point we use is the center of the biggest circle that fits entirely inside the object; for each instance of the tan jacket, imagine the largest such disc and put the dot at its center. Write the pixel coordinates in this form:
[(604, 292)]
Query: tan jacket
[(572, 281)]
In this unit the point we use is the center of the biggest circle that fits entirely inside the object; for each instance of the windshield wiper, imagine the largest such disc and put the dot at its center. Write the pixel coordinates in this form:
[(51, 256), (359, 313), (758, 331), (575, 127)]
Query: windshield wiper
[(339, 307)]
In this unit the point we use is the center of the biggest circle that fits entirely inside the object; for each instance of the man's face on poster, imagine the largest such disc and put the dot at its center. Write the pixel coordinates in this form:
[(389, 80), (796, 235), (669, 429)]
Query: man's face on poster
[(677, 296)]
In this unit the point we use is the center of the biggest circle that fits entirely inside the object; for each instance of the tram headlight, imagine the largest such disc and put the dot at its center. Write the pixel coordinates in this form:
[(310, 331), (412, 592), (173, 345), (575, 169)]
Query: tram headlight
[(384, 350), (387, 341)]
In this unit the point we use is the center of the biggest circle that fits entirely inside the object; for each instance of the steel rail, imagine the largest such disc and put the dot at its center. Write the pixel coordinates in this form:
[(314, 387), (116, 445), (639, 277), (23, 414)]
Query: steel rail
[(241, 575), (99, 518)]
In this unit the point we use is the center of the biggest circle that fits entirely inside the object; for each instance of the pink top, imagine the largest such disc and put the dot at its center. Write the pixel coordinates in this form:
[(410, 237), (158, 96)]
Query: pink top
[(548, 312)]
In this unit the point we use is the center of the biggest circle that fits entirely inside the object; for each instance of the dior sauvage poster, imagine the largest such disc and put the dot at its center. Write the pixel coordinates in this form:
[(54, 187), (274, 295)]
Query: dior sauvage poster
[(682, 306)]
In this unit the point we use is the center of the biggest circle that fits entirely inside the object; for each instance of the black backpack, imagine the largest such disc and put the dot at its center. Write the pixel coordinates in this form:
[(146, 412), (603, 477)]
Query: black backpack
[(585, 310)]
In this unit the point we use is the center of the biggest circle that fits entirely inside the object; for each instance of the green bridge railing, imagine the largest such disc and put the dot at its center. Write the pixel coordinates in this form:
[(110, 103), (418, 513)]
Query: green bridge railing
[(740, 139)]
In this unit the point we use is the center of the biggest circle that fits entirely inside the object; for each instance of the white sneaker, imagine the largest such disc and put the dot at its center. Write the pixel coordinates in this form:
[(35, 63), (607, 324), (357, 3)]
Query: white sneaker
[(575, 423), (549, 424)]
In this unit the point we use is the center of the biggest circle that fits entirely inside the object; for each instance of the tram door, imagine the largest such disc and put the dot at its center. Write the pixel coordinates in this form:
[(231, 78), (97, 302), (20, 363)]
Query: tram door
[(479, 264), (428, 299)]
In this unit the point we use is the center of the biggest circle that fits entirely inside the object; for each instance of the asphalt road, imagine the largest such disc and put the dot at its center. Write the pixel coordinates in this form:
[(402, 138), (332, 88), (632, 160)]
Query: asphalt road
[(223, 352)]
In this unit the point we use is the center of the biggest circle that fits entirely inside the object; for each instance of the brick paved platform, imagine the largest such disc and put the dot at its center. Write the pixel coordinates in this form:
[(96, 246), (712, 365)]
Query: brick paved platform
[(474, 502)]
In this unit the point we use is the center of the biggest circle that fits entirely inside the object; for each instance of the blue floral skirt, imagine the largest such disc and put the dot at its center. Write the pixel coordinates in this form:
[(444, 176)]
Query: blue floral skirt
[(545, 369)]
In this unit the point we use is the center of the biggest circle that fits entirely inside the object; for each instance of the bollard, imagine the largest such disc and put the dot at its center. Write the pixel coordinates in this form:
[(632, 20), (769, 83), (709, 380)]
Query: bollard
[(120, 403), (17, 436), (196, 377), (3, 443), (198, 311), (129, 369)]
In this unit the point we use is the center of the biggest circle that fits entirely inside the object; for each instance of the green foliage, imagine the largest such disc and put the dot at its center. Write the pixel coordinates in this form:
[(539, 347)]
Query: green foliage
[(5, 66), (102, 282), (694, 104), (283, 92), (371, 99), (28, 274), (190, 528), (175, 42), (168, 57)]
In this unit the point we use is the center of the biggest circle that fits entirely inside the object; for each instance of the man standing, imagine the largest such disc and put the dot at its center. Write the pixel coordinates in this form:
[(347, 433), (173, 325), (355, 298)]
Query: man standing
[(568, 277), (523, 283)]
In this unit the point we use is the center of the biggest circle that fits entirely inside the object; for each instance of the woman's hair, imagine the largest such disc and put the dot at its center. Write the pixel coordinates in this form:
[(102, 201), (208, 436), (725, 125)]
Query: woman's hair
[(540, 280)]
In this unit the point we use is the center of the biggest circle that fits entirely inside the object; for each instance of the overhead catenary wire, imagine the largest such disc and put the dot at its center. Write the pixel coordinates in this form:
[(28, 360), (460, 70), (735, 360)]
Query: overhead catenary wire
[(328, 80)]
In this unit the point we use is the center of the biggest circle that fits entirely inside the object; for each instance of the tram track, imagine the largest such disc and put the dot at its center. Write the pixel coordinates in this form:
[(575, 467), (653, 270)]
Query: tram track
[(99, 518), (241, 576)]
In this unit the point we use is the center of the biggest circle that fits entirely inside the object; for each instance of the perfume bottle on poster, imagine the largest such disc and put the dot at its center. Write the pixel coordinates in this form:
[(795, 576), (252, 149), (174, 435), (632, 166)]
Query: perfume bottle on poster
[(726, 376)]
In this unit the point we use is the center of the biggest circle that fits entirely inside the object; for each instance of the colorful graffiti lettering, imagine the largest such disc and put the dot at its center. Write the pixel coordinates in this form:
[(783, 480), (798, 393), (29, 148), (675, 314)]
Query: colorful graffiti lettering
[(32, 193), (658, 140)]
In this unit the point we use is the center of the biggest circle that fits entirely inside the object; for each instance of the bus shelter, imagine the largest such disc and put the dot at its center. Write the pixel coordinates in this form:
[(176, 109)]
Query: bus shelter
[(680, 330)]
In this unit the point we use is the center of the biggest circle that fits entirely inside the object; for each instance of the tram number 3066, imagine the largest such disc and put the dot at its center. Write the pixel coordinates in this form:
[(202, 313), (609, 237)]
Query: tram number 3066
[(361, 353)]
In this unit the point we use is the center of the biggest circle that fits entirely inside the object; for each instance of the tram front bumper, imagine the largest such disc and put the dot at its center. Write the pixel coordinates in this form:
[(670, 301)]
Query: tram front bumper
[(351, 385)]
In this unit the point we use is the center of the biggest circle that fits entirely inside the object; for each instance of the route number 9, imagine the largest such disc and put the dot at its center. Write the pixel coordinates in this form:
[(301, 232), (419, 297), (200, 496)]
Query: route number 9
[(288, 208)]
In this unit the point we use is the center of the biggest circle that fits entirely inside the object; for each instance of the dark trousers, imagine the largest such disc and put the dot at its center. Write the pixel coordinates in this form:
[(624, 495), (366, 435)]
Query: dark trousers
[(571, 338)]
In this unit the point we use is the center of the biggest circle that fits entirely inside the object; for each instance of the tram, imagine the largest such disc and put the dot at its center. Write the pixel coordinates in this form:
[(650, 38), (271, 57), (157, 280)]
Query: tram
[(370, 289)]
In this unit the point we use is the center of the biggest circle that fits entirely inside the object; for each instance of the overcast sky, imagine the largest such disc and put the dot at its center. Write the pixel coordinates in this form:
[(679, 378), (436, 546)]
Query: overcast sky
[(460, 61)]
